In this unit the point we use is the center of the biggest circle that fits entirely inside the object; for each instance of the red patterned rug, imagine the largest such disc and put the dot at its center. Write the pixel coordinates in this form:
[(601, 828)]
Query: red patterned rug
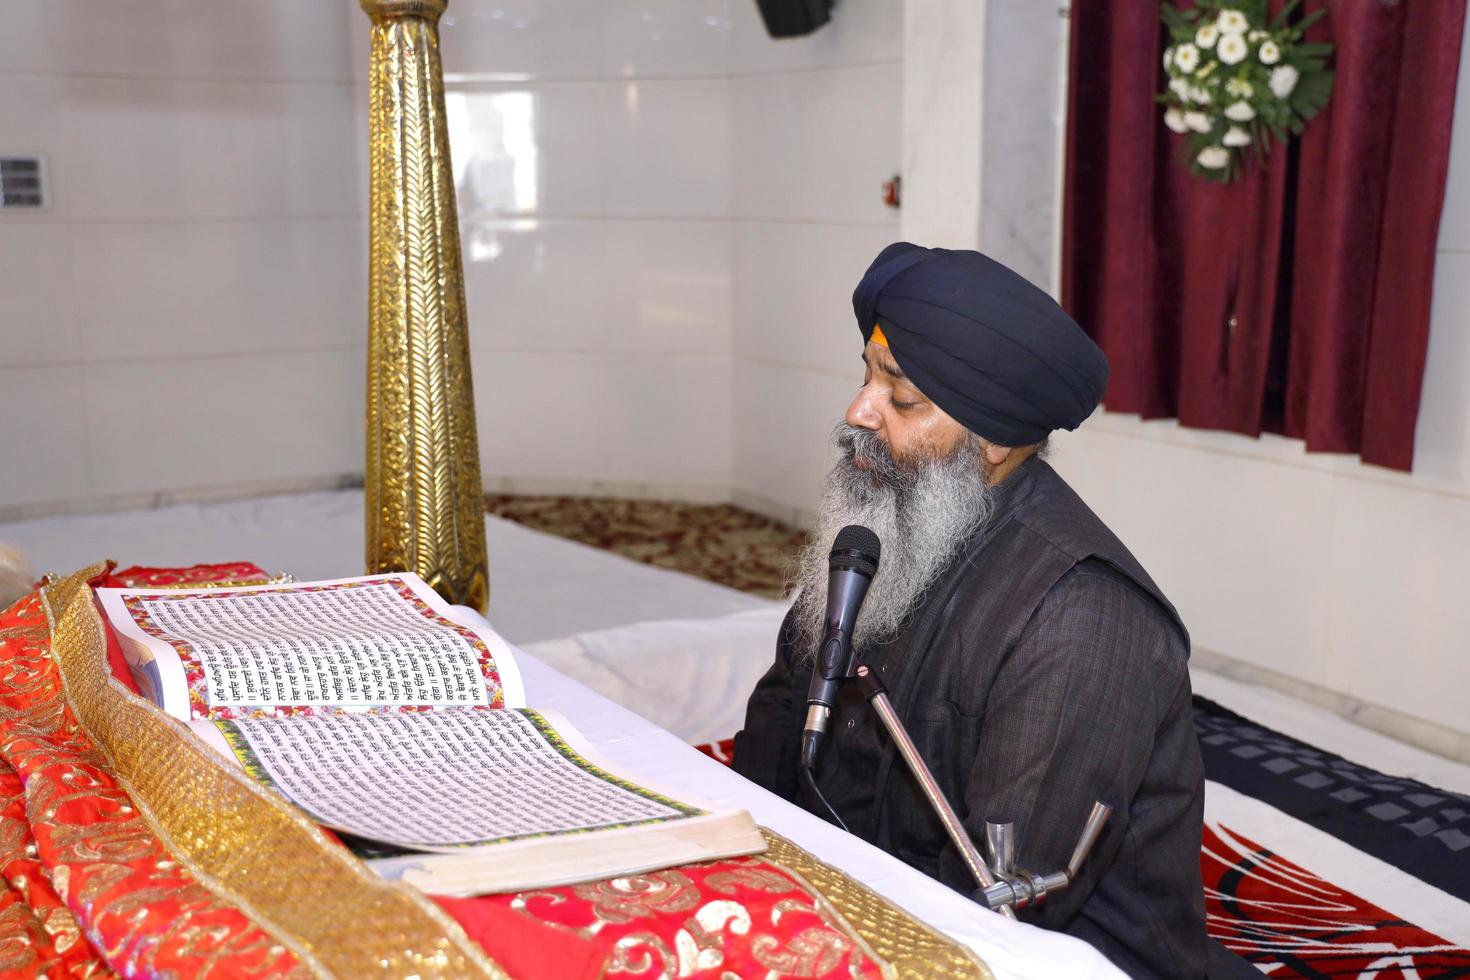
[(1288, 921)]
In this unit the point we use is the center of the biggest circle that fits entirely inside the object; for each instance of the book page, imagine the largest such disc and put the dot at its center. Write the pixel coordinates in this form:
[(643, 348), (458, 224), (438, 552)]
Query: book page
[(442, 780), (376, 641)]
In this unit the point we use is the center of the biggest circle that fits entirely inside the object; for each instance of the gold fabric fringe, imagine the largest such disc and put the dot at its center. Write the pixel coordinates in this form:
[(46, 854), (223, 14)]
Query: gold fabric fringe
[(259, 853), (240, 840), (904, 946)]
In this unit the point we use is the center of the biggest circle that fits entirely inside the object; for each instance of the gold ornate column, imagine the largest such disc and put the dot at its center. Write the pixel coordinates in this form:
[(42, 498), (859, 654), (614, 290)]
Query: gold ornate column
[(425, 511)]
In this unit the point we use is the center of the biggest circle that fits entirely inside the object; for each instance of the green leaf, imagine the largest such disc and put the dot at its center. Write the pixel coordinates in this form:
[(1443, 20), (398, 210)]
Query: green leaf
[(1280, 20)]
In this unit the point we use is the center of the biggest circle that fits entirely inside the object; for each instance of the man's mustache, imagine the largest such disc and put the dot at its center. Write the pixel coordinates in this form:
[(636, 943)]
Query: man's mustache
[(866, 452)]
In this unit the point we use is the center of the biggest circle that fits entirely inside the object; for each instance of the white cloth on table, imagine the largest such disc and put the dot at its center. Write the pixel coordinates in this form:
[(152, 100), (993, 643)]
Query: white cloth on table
[(688, 676), (1011, 949)]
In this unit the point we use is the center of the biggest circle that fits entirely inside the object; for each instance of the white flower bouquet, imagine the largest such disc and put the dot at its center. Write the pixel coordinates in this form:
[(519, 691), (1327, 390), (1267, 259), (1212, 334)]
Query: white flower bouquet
[(1239, 78)]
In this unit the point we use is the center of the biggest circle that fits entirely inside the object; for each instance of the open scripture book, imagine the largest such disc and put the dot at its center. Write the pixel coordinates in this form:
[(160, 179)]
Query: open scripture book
[(389, 715)]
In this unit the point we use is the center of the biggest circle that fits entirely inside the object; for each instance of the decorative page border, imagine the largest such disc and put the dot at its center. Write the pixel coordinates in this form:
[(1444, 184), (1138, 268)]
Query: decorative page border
[(199, 706)]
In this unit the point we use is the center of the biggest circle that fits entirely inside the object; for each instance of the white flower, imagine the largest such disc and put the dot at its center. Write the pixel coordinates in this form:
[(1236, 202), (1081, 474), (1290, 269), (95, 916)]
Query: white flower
[(1240, 112), (1235, 136), (1168, 58), (1213, 157), (1187, 58), (1179, 87), (1174, 119), (1232, 22), (1199, 95), (1232, 48), (1255, 36), (1240, 88), (1199, 122), (1283, 80), (1206, 36), (1270, 53)]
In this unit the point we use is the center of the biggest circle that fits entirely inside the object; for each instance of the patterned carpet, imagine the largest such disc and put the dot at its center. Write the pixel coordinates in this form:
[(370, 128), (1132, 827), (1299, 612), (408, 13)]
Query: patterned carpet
[(716, 542)]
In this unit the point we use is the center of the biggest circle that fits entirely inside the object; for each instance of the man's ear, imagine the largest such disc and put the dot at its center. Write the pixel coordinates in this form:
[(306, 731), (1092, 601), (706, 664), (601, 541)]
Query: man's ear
[(996, 455)]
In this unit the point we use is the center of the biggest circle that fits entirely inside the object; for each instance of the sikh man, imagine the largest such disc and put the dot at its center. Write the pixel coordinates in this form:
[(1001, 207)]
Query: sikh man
[(1036, 665)]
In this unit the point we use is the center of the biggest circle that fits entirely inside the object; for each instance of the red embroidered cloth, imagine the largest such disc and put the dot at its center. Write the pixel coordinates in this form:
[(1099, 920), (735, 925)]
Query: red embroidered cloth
[(88, 888)]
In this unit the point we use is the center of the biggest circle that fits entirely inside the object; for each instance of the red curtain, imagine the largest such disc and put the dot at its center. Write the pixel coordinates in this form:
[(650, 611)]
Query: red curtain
[(1295, 300)]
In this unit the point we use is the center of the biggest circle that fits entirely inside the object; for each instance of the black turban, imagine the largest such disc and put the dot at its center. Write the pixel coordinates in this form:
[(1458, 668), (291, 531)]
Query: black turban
[(992, 350)]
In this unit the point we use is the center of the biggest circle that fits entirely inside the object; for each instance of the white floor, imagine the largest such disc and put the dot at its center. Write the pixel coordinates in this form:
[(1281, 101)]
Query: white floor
[(541, 587), (628, 630)]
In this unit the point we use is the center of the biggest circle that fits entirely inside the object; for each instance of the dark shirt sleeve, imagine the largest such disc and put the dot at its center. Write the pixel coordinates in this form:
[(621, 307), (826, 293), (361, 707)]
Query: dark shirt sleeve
[(768, 747), (1072, 718)]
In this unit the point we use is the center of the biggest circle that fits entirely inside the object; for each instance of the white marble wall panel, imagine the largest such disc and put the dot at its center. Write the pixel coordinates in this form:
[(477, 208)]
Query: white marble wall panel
[(669, 285), (44, 436), (536, 284), (816, 132), (252, 287), (944, 73), (593, 159), (1454, 227), (146, 148), (1398, 619), (861, 32), (220, 422), (261, 39), (206, 201), (580, 39), (649, 38), (817, 145), (794, 301), (38, 323), (1023, 137), (1442, 435), (669, 147), (625, 418), (525, 39), (1235, 592), (530, 148), (32, 122), (210, 183), (782, 423)]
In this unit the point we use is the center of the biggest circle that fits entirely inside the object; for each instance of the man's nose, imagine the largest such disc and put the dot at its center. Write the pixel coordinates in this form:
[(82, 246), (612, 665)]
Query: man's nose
[(861, 412)]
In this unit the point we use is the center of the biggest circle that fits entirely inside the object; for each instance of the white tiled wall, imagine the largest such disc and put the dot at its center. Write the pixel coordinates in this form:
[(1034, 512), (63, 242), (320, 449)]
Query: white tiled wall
[(817, 132), (189, 313), (591, 142), (664, 213)]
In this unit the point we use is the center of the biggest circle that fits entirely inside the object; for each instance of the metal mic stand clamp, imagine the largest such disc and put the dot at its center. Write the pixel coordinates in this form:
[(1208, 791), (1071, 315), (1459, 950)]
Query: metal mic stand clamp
[(1016, 887)]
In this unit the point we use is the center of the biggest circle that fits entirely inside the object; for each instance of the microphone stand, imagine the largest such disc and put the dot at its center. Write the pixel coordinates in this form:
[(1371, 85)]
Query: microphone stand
[(877, 695), (1017, 887)]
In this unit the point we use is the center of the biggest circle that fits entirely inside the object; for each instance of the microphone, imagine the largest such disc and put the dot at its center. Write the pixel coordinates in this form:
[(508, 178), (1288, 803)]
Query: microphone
[(852, 565)]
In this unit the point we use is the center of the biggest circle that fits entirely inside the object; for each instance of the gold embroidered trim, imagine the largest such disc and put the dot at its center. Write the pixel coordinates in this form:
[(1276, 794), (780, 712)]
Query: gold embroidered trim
[(284, 578), (240, 840), (903, 945)]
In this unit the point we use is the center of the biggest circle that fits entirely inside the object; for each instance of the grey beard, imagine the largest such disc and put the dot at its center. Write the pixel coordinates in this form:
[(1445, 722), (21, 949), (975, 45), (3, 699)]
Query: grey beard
[(923, 513)]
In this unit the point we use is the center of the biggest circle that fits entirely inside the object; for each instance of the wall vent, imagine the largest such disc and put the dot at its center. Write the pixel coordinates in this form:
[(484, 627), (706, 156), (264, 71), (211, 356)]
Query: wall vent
[(22, 183)]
